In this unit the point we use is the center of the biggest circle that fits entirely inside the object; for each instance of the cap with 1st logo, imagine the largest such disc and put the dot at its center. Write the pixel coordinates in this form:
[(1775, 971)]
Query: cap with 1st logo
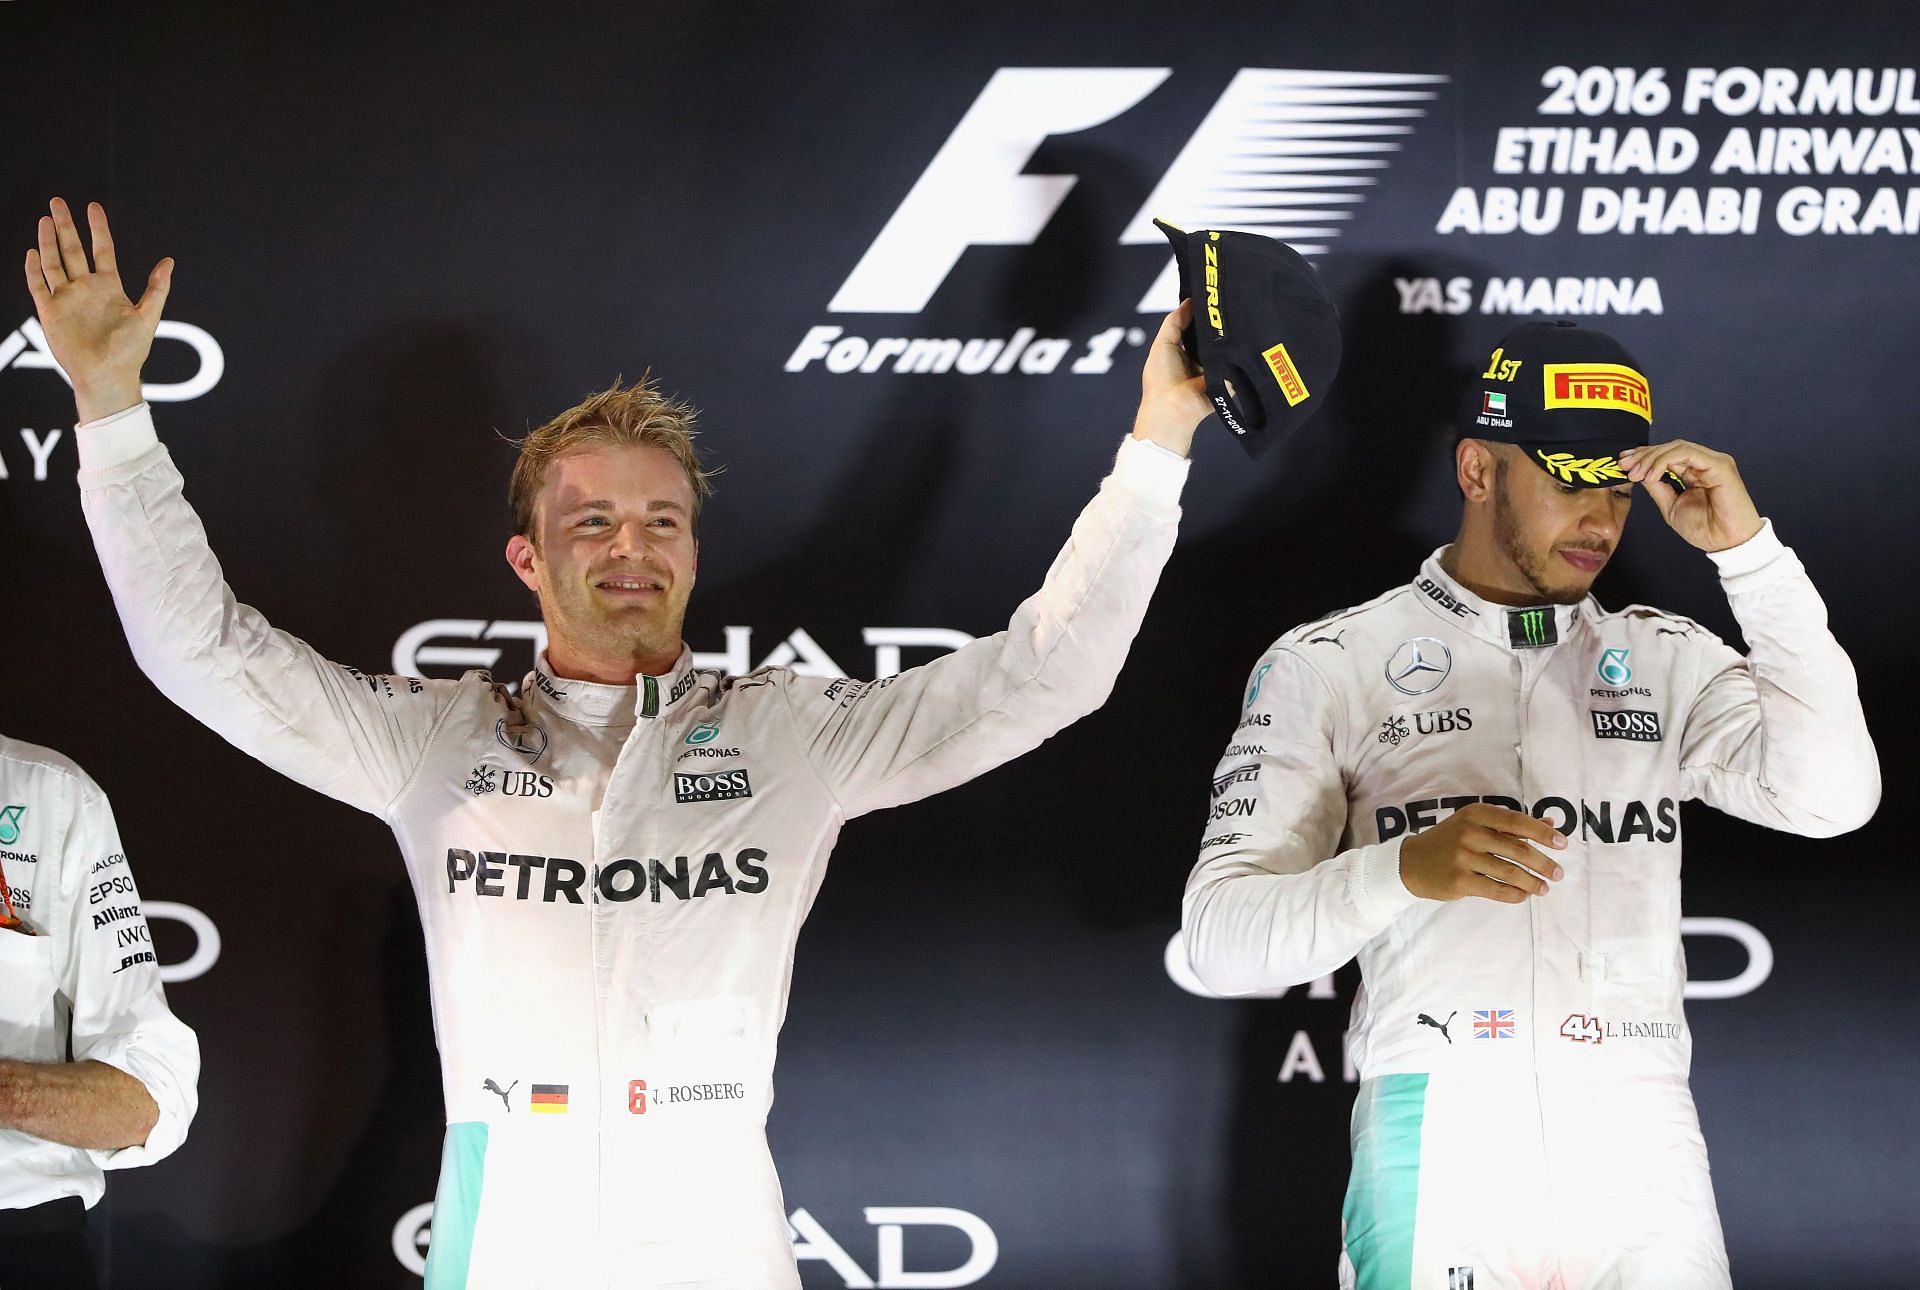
[(1571, 397)]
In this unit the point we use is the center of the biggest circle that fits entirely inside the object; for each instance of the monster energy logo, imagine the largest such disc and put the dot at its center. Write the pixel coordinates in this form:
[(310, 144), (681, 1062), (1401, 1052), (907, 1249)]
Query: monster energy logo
[(1531, 628)]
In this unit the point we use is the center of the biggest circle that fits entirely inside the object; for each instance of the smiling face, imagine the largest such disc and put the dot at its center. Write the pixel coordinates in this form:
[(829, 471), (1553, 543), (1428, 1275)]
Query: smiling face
[(1527, 538), (612, 556)]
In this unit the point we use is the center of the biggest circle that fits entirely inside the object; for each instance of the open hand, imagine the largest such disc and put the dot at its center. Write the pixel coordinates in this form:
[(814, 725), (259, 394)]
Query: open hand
[(97, 335)]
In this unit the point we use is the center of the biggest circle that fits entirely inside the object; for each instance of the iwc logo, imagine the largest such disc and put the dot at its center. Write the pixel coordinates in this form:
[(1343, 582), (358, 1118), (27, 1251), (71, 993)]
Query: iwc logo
[(1419, 665)]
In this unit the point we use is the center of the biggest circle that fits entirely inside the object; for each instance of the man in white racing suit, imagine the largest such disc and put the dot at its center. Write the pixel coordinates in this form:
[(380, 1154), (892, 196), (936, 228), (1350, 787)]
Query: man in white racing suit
[(95, 1072), (613, 865), (1473, 783)]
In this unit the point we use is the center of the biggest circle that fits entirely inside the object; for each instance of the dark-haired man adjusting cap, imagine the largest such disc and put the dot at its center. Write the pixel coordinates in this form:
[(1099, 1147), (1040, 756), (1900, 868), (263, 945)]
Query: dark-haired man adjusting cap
[(1473, 783)]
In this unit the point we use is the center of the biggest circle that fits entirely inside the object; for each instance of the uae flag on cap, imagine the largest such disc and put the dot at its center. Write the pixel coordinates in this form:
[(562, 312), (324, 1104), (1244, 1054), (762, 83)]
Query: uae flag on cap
[(549, 1099), (1495, 403)]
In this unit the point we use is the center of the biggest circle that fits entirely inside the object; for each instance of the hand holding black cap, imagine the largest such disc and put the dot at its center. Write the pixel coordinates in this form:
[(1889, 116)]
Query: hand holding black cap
[(1264, 333)]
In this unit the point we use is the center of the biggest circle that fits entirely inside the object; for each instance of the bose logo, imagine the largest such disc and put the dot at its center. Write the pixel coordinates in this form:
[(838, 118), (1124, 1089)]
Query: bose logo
[(1643, 727)]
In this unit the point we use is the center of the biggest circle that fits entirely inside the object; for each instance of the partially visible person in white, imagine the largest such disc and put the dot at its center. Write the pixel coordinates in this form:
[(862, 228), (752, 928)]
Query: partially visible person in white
[(95, 1072)]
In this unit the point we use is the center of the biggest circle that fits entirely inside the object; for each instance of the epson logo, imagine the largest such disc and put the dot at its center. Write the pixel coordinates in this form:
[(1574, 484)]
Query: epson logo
[(1642, 727), (717, 787)]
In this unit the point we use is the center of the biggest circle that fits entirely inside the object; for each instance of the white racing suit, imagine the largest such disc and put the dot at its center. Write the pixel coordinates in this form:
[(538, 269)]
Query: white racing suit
[(611, 878), (85, 986), (1523, 1117)]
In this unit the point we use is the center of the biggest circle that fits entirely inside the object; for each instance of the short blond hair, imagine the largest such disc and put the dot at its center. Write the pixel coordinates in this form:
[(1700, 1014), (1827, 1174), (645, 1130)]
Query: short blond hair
[(618, 416)]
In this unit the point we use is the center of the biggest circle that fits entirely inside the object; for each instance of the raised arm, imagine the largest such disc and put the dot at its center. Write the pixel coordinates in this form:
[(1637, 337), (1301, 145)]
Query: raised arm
[(1777, 737), (350, 735), (905, 737)]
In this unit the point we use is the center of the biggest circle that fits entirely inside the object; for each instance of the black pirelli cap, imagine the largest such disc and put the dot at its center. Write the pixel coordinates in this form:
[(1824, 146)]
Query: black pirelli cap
[(1265, 332), (1571, 397)]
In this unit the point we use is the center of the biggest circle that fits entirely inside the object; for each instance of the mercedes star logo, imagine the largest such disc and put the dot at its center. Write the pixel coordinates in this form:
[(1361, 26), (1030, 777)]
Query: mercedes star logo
[(1419, 665)]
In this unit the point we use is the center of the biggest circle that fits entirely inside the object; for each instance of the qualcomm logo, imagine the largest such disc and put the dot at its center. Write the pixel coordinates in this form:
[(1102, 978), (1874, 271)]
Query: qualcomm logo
[(206, 940), (412, 1234), (416, 651), (1284, 153), (26, 347)]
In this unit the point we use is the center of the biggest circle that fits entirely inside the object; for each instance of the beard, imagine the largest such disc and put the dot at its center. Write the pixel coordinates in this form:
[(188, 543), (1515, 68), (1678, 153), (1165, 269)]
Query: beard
[(1531, 565), (616, 632)]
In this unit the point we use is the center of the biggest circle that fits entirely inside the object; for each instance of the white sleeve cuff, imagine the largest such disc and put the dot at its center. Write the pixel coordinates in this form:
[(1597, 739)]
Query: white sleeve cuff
[(1751, 556), (1375, 886), (115, 440), (1156, 473)]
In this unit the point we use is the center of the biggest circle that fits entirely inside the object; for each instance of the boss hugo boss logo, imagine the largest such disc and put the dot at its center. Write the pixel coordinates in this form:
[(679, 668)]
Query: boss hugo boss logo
[(1641, 727), (715, 787)]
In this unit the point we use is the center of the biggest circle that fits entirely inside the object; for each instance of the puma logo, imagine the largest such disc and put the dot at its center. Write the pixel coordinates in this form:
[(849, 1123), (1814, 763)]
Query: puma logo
[(1440, 1026), (494, 1088), (1329, 640)]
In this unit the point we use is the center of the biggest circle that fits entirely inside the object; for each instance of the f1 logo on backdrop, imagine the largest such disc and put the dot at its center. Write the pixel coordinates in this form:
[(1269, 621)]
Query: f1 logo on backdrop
[(1284, 153), (412, 1234), (416, 649), (26, 348)]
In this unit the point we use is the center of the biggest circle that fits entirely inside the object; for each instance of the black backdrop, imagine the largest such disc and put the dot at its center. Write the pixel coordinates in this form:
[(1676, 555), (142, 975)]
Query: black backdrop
[(401, 229)]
